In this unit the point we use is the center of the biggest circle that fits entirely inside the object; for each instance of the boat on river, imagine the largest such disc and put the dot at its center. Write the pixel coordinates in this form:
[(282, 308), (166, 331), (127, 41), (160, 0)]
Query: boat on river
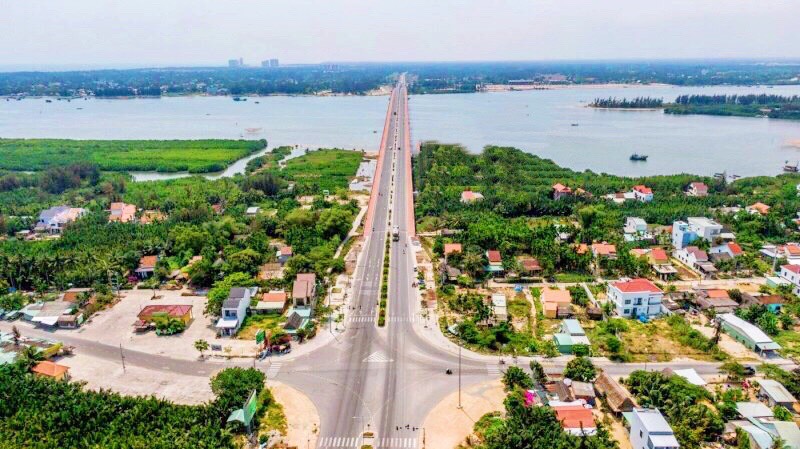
[(639, 157), (789, 168)]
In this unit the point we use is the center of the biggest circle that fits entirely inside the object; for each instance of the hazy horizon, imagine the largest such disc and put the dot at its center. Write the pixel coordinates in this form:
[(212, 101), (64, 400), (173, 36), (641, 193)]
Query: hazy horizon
[(178, 33)]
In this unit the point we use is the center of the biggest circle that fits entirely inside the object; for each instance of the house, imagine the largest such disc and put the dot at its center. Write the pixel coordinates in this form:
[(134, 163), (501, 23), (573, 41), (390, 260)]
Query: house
[(659, 260), (758, 208), (697, 189), (468, 196), (604, 250), (252, 211), (747, 334), (553, 299), (571, 334), (234, 310), (296, 319), (765, 432), (635, 229), (621, 197), (284, 254), (715, 299), (452, 248), (180, 312), (218, 208), (649, 430), (51, 311), (753, 410), (271, 302), (696, 258), (569, 390), (617, 398), (576, 419), (773, 303), (729, 250), (789, 251), (791, 273), (775, 394), (54, 219), (686, 232), (304, 290), (530, 266), (635, 298), (495, 262), (449, 273), (51, 370), (121, 212), (147, 266), (689, 374), (643, 193), (561, 191), (499, 307)]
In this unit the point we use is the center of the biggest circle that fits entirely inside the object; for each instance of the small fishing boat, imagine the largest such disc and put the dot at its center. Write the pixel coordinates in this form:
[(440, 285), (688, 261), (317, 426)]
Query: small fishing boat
[(574, 124), (252, 130), (639, 157), (789, 168)]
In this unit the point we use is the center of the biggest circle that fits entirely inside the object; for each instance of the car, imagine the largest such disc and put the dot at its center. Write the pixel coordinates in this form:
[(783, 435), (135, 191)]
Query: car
[(749, 370)]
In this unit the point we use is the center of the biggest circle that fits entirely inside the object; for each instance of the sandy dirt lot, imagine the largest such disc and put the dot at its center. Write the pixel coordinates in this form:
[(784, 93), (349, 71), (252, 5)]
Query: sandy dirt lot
[(446, 426), (301, 415), (115, 326), (135, 381)]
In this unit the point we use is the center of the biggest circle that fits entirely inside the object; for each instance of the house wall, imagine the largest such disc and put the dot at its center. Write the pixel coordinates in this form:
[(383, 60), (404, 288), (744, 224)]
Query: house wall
[(739, 336)]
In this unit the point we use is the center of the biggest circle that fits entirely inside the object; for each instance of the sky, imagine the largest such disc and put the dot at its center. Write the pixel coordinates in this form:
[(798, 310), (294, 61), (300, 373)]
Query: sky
[(114, 33)]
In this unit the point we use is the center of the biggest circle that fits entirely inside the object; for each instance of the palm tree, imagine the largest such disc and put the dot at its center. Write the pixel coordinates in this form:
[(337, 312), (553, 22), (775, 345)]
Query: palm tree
[(29, 357), (201, 345), (15, 335)]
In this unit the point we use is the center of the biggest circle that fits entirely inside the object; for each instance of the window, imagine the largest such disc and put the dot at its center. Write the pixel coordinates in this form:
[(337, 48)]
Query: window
[(626, 311), (627, 301)]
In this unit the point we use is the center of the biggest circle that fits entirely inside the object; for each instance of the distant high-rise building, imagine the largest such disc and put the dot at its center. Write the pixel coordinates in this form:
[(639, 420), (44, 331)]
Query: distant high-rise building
[(234, 63), (270, 63)]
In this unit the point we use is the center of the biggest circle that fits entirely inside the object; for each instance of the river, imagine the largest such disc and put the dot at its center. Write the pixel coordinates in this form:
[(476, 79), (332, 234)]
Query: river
[(555, 124)]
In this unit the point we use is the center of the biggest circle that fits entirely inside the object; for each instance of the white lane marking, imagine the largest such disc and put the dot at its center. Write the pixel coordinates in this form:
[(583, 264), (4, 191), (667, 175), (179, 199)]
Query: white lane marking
[(274, 369), (378, 357), (493, 370)]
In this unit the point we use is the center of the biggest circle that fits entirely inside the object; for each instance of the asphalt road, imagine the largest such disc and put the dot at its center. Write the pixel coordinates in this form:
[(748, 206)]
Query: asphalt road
[(382, 380)]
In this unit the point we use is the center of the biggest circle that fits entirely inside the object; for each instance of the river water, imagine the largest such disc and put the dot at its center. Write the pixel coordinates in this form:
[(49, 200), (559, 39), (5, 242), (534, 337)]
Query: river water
[(539, 122)]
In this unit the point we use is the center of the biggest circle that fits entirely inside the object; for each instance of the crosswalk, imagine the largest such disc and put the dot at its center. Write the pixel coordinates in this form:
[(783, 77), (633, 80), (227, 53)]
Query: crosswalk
[(357, 442), (274, 369), (389, 319), (493, 370), (378, 357), (398, 443), (361, 319)]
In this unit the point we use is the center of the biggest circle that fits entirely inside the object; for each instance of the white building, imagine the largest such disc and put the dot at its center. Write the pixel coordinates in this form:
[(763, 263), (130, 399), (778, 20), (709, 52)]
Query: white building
[(643, 193), (252, 211), (499, 307), (791, 273), (649, 430), (54, 219), (789, 251), (636, 229), (634, 298), (234, 310), (686, 232)]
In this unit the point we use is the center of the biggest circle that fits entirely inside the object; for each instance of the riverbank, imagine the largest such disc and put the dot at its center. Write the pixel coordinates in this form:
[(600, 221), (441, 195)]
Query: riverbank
[(528, 87)]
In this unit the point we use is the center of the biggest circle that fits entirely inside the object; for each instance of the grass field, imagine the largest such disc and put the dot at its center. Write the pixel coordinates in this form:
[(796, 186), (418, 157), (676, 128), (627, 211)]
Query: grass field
[(196, 156), (322, 170)]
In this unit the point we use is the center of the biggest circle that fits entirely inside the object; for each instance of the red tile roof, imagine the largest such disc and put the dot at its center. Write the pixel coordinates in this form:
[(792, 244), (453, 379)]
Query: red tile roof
[(792, 268), (286, 251), (148, 261), (717, 293), (637, 285), (736, 250), (494, 256), (561, 188), (276, 296), (759, 207), (659, 255), (173, 310), (604, 249), (575, 417), (450, 248), (49, 369), (643, 189)]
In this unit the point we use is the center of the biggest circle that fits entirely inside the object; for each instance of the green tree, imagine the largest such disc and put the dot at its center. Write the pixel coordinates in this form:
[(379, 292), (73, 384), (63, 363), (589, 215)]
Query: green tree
[(29, 357), (201, 346), (781, 413), (581, 369), (219, 293), (537, 372), (515, 377), (232, 387)]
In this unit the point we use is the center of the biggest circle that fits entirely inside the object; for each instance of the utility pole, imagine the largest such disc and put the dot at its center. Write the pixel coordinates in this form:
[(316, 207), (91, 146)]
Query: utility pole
[(459, 377), (122, 357)]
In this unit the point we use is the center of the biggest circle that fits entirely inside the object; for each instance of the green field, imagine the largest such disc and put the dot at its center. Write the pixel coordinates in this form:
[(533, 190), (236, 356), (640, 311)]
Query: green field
[(322, 170), (195, 156)]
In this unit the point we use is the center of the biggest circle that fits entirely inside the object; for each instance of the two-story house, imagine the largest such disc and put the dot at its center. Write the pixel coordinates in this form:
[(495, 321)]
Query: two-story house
[(649, 430), (635, 229), (635, 298), (643, 193), (304, 290), (792, 274), (54, 219), (697, 189), (686, 232), (234, 310)]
